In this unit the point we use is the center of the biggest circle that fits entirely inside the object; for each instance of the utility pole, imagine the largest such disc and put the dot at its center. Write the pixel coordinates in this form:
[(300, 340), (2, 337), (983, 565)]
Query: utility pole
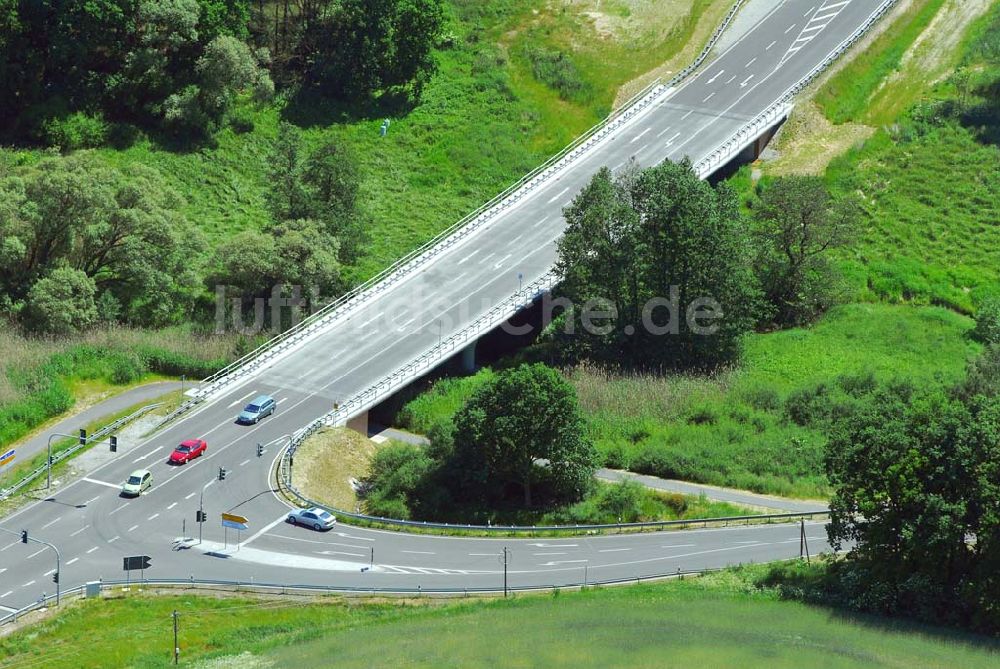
[(803, 540), (177, 649), (371, 564), (48, 464)]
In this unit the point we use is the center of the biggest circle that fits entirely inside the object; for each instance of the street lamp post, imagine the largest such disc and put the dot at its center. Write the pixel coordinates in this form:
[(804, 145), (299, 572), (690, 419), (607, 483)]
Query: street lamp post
[(48, 462), (201, 509)]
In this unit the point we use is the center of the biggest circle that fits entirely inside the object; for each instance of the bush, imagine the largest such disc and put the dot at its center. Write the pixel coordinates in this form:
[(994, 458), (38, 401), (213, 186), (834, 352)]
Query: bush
[(62, 302), (557, 71), (987, 328), (622, 501), (809, 405), (76, 131)]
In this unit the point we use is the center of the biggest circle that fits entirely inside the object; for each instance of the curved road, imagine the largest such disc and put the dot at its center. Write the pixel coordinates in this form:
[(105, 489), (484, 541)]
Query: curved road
[(94, 528)]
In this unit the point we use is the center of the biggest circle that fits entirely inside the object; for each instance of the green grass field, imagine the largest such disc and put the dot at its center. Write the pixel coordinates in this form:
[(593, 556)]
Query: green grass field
[(732, 429), (723, 620)]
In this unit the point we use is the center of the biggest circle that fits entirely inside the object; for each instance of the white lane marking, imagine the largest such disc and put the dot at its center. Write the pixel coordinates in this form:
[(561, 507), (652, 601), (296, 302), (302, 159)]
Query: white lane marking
[(810, 11), (634, 140), (94, 499), (76, 559), (171, 506), (154, 516), (536, 225), (340, 553), (191, 495), (27, 584), (3, 570), (686, 115), (718, 74), (13, 543), (833, 6), (92, 550), (680, 546), (103, 483), (768, 47), (474, 252), (502, 261), (731, 79), (403, 326), (49, 572), (132, 528), (51, 523), (791, 28), (663, 132), (244, 462), (266, 528), (559, 562), (85, 527), (9, 592), (825, 16), (672, 139), (556, 553), (809, 30), (123, 505), (38, 552), (751, 62), (513, 241), (113, 539), (544, 545), (486, 258), (242, 399), (641, 148), (419, 552), (743, 84), (613, 550), (483, 554), (372, 319), (710, 96), (559, 195)]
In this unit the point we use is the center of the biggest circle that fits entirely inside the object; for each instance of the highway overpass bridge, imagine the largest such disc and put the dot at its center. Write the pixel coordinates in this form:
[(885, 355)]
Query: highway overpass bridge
[(433, 305)]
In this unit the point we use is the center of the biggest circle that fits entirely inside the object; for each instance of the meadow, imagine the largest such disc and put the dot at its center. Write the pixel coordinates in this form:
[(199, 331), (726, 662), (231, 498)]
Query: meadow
[(735, 618), (735, 428)]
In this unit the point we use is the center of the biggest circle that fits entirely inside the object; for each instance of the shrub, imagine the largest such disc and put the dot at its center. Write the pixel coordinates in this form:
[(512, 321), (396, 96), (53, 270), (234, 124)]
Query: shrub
[(557, 71), (987, 328), (622, 501), (676, 501), (762, 398), (76, 131), (809, 405)]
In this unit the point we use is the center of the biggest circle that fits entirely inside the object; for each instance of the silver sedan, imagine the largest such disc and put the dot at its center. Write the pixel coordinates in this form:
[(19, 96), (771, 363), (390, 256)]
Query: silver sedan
[(316, 518)]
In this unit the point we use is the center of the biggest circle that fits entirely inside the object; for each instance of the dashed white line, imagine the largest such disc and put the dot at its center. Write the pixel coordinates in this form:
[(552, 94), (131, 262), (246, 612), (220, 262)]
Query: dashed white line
[(613, 550), (502, 261), (746, 81), (686, 115), (791, 28), (663, 132), (245, 397), (171, 506), (539, 224), (51, 523), (244, 462), (514, 241), (768, 47), (103, 483), (132, 528), (92, 550), (403, 326), (719, 74), (751, 62), (810, 11), (680, 546), (419, 552), (559, 195), (191, 495), (93, 499), (710, 96), (634, 140), (486, 258), (153, 517), (372, 319), (38, 552), (540, 554), (9, 592), (49, 572), (76, 559), (113, 539), (119, 508), (27, 584), (469, 256), (731, 79), (672, 139), (85, 527)]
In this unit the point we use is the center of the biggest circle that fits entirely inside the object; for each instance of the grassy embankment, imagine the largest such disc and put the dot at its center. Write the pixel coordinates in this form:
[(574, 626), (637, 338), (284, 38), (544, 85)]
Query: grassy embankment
[(931, 193), (734, 429), (730, 619), (328, 460), (521, 80)]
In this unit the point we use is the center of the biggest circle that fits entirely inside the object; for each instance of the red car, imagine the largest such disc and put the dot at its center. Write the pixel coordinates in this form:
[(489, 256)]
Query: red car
[(188, 450)]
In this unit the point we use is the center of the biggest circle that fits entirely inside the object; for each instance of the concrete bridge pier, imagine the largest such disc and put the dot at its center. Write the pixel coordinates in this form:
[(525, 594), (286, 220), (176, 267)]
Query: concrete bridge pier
[(359, 423), (469, 358)]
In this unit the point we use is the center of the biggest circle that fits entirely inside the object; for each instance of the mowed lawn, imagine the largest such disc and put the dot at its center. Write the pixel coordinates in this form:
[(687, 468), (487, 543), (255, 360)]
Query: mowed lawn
[(717, 621)]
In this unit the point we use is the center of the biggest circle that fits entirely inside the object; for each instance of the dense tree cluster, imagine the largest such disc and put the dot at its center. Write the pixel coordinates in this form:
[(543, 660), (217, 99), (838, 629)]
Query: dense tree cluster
[(519, 441), (67, 65), (917, 501), (673, 274), (80, 241)]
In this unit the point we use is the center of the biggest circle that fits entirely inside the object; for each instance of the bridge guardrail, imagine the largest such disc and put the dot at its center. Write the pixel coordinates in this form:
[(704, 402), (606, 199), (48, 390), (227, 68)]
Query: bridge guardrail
[(454, 233), (69, 452)]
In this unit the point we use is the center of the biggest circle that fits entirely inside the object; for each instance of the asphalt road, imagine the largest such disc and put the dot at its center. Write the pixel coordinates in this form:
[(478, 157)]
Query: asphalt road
[(94, 528)]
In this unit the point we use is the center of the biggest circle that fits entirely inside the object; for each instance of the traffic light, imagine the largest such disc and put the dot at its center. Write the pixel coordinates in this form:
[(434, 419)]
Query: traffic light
[(260, 450), (24, 536), (222, 474), (55, 578), (114, 443), (83, 437), (200, 516)]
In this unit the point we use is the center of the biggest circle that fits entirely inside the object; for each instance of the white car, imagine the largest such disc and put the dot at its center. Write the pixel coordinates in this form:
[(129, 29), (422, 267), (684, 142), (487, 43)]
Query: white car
[(137, 482), (316, 518)]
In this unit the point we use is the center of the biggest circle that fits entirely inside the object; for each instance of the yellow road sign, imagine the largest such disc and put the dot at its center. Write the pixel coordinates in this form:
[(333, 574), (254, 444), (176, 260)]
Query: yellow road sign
[(233, 518)]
